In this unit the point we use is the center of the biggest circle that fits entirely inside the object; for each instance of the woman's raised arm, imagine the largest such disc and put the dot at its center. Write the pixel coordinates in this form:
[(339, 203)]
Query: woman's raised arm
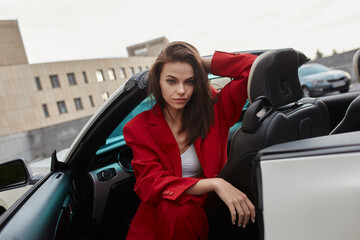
[(207, 63)]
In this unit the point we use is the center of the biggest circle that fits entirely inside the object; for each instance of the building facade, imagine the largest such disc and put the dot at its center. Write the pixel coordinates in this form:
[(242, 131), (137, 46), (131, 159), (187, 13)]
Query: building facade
[(44, 106), (148, 48), (35, 96), (11, 44)]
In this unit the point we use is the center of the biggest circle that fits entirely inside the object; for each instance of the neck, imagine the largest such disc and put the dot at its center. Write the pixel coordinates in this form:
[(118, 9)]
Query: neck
[(173, 116)]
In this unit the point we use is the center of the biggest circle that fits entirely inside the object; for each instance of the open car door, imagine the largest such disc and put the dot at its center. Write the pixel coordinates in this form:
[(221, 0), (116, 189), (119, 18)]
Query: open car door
[(310, 189)]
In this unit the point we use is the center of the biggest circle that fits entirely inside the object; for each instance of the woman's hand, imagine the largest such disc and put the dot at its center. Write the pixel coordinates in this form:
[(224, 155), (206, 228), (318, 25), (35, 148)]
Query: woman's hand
[(237, 202)]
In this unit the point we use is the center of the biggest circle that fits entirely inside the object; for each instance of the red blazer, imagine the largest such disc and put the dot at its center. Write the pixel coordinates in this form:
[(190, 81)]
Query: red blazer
[(157, 163)]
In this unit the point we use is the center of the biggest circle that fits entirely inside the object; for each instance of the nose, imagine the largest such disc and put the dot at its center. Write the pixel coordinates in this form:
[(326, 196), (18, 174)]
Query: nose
[(181, 89)]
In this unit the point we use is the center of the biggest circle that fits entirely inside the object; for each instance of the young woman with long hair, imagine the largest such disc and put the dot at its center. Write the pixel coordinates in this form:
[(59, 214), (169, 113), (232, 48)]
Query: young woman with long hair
[(180, 144)]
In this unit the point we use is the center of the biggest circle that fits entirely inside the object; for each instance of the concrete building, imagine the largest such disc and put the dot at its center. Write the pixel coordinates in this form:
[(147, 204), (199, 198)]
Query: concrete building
[(44, 106), (148, 48), (11, 44)]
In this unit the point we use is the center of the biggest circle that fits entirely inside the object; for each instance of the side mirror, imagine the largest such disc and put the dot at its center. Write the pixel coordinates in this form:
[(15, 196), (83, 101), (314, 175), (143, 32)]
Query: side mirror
[(13, 174)]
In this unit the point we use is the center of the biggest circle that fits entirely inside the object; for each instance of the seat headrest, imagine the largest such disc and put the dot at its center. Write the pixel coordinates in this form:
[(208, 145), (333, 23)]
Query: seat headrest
[(274, 75), (356, 63)]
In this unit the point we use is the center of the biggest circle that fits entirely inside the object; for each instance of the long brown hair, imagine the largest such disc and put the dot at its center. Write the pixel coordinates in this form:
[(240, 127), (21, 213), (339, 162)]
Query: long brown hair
[(198, 113)]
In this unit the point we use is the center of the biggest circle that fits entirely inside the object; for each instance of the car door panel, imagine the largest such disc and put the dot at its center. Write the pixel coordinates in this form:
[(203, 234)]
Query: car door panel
[(46, 214), (310, 188), (103, 179)]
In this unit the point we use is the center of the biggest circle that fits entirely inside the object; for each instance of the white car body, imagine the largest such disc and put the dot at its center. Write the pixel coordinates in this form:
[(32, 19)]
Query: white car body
[(309, 190)]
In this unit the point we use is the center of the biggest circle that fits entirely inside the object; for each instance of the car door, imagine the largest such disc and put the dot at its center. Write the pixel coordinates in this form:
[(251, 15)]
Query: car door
[(48, 212), (68, 203), (310, 189)]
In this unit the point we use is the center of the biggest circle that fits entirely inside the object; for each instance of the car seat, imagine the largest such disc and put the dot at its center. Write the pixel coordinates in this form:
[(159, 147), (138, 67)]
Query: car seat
[(277, 114), (351, 120)]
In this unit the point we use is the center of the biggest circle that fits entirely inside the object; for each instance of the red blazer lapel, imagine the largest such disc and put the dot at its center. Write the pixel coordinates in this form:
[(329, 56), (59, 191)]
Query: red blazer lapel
[(162, 134)]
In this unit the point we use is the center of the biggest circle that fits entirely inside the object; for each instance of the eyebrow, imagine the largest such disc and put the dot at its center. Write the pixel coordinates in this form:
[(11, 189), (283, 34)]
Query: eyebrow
[(190, 78)]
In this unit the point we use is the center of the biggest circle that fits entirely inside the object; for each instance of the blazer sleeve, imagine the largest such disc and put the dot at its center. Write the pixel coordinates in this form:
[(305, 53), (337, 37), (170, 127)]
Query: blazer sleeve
[(153, 181), (232, 97)]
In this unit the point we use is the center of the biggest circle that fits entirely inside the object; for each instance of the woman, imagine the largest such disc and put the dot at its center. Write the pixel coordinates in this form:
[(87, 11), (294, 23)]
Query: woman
[(180, 145)]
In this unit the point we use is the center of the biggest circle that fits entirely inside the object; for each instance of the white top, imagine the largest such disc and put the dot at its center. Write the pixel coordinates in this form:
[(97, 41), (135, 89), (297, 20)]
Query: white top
[(190, 163)]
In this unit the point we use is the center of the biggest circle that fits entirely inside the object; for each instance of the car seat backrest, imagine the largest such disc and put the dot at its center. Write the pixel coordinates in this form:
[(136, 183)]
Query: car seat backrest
[(268, 77), (351, 120), (277, 114)]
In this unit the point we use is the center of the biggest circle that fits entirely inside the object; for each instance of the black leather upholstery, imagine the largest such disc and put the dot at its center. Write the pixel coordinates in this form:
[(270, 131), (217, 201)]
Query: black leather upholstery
[(277, 114), (351, 120), (269, 78)]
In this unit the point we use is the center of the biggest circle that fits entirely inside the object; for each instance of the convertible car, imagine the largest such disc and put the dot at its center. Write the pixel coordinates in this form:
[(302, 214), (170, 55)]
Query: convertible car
[(296, 158)]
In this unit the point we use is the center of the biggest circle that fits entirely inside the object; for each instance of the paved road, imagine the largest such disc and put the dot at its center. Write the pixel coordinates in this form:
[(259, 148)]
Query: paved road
[(355, 86)]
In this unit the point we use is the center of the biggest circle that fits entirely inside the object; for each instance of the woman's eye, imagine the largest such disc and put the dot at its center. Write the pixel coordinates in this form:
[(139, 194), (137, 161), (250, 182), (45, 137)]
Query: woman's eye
[(170, 81), (191, 82)]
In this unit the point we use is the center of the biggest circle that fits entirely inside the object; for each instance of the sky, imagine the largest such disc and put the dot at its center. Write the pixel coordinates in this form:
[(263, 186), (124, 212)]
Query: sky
[(61, 30)]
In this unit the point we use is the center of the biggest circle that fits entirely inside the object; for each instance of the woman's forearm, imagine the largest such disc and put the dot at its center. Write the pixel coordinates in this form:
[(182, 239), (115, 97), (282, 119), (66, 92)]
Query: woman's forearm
[(203, 186), (239, 205), (207, 63)]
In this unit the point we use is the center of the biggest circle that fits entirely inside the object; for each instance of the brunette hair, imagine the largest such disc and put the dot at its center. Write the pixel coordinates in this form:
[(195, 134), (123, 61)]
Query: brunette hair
[(198, 112)]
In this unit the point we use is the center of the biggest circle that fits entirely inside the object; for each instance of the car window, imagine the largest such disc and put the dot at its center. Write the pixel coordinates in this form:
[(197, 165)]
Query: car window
[(312, 69)]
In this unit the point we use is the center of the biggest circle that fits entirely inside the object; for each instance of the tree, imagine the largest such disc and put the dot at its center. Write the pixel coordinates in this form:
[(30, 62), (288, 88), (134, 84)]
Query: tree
[(319, 54)]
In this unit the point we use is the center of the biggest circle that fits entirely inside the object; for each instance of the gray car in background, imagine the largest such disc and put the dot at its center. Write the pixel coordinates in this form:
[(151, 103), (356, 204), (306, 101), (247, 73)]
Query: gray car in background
[(317, 79)]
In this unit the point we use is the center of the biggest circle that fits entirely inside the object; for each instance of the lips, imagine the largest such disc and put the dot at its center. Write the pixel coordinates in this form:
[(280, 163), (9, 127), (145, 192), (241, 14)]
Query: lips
[(180, 100)]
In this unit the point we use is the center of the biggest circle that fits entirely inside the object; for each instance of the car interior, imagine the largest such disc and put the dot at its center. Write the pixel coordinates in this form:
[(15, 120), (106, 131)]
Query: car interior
[(351, 120), (91, 195), (277, 114)]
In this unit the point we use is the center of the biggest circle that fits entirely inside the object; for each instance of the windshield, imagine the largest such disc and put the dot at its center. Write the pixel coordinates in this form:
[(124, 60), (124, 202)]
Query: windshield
[(306, 70)]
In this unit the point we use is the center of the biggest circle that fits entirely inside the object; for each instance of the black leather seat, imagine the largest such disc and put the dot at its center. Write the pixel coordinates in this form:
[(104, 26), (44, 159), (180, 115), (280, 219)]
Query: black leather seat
[(351, 120), (277, 114)]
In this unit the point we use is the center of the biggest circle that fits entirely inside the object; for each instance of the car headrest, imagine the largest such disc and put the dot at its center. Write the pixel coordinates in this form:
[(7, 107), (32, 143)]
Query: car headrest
[(274, 75), (356, 63)]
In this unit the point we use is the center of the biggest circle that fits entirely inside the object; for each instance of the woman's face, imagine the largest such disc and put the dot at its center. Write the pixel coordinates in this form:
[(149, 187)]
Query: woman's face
[(177, 84)]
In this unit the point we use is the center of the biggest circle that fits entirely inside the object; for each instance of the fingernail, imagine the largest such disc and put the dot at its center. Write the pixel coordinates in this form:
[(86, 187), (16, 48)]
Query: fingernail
[(233, 223), (253, 220), (244, 226)]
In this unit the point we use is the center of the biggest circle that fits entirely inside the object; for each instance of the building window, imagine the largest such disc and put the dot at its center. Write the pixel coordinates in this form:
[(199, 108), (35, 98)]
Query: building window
[(38, 83), (71, 77), (62, 107), (55, 81), (46, 111), (78, 104), (132, 72), (99, 76), (122, 72), (91, 101), (147, 67), (140, 69), (111, 73), (105, 96), (85, 77), (141, 51)]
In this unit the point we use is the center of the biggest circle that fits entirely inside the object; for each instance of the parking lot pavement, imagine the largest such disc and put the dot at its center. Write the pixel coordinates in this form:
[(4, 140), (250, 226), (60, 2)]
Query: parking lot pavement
[(354, 86)]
